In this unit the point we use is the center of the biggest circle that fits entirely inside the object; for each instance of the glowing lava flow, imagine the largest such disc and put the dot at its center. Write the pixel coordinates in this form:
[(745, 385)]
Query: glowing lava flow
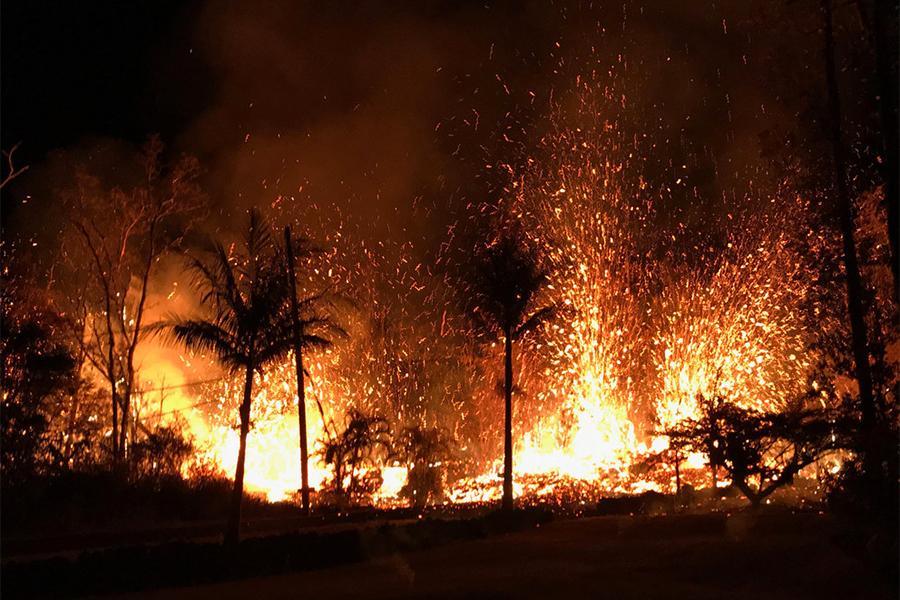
[(273, 448)]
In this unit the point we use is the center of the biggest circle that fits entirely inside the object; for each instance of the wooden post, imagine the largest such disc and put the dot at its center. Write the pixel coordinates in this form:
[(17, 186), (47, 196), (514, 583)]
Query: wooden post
[(298, 359)]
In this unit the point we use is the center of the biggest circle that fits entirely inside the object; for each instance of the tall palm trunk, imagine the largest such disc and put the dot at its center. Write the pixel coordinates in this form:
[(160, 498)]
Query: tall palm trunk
[(677, 473), (351, 487), (233, 527), (301, 387), (70, 428), (855, 306), (507, 426)]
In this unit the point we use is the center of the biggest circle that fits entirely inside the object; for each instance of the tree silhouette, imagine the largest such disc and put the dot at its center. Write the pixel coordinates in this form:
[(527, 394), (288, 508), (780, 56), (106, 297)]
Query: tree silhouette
[(247, 298), (760, 451), (114, 240), (504, 286), (855, 287), (425, 452), (36, 365), (353, 452), (311, 329)]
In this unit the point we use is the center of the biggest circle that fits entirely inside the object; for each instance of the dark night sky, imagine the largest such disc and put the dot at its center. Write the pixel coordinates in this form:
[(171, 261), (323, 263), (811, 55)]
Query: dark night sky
[(70, 68), (125, 69)]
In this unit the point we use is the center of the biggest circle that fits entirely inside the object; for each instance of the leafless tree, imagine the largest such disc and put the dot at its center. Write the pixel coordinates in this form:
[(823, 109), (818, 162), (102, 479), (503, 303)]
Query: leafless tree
[(11, 170), (116, 237)]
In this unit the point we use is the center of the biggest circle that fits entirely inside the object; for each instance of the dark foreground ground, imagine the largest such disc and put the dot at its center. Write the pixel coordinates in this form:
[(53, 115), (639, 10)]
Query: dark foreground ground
[(770, 556)]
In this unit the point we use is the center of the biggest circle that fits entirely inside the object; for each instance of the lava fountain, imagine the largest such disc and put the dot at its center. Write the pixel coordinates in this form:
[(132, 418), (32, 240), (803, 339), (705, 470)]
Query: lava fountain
[(659, 313)]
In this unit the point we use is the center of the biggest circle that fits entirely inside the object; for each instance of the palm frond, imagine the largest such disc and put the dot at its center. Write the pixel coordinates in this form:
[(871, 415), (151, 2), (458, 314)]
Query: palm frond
[(206, 336), (323, 327), (504, 282), (538, 318), (316, 342)]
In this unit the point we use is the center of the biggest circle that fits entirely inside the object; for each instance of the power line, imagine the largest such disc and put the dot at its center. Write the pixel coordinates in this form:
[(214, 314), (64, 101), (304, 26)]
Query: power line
[(188, 407), (159, 415), (166, 388)]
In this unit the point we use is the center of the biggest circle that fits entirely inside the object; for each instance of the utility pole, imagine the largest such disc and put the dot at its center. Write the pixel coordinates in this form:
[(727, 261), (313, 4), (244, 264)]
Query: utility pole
[(298, 359)]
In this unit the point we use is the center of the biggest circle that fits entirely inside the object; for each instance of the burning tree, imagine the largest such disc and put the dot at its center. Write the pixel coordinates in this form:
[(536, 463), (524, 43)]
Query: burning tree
[(760, 451), (247, 328), (505, 284), (116, 238)]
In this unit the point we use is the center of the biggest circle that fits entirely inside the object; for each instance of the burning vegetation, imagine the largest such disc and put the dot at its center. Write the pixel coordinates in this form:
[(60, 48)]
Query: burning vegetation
[(577, 332)]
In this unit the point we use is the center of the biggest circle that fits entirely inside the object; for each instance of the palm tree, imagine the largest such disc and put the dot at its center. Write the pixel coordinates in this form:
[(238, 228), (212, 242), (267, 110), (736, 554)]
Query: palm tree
[(311, 329), (246, 297), (504, 288)]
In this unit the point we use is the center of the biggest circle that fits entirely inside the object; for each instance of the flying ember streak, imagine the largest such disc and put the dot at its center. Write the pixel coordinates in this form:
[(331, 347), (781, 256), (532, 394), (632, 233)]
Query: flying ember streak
[(733, 327)]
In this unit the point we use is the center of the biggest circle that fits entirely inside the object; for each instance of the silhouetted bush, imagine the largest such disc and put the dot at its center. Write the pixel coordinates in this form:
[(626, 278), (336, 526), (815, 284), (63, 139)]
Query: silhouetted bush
[(426, 452), (760, 451), (160, 453), (647, 503), (81, 501), (354, 455), (37, 368)]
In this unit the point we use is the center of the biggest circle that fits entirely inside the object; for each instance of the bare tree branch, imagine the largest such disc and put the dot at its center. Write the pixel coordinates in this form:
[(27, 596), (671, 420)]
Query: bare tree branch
[(11, 171)]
